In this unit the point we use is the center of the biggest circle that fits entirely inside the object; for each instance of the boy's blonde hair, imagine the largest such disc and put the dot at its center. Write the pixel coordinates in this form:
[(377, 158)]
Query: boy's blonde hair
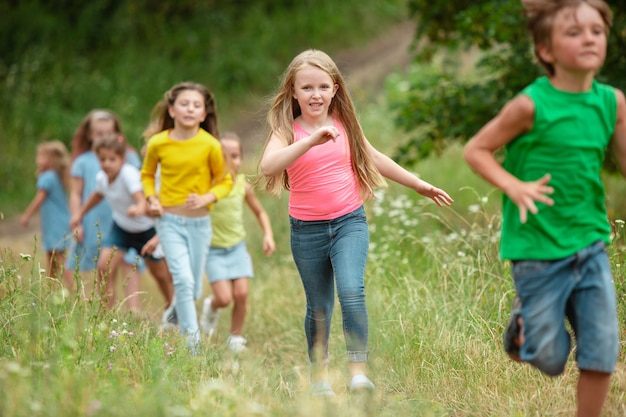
[(541, 14), (284, 109), (59, 159)]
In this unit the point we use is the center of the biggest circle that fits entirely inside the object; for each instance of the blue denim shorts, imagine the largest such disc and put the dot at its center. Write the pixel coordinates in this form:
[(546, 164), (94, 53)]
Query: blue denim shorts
[(229, 263), (579, 288)]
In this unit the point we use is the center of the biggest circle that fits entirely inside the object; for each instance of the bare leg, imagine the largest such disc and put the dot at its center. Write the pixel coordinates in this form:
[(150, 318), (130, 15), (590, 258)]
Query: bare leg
[(132, 285), (240, 307), (357, 368), (56, 262), (108, 262), (593, 388), (163, 278)]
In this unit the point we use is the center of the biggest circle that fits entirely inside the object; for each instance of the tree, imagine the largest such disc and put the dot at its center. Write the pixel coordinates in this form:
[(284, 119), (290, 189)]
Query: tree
[(437, 105)]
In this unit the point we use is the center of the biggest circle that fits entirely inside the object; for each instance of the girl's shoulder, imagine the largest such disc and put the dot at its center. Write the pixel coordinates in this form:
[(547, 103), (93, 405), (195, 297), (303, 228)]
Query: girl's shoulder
[(48, 178)]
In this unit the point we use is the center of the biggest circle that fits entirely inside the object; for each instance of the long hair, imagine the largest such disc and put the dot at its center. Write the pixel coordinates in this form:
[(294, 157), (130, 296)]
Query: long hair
[(285, 108), (161, 120), (541, 15), (59, 159), (82, 140)]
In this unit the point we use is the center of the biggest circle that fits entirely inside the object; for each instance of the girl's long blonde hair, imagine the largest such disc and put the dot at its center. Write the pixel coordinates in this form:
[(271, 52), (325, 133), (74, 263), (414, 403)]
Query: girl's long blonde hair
[(161, 120), (59, 159), (284, 109)]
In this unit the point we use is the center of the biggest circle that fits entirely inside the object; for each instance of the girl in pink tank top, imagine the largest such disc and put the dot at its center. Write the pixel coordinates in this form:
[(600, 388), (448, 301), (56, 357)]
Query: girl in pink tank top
[(316, 149)]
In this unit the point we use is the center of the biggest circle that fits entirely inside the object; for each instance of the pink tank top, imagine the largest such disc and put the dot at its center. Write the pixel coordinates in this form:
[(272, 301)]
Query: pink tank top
[(323, 184)]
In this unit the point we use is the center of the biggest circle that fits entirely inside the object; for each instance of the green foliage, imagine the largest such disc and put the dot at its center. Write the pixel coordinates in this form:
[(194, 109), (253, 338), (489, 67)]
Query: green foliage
[(58, 60), (437, 103)]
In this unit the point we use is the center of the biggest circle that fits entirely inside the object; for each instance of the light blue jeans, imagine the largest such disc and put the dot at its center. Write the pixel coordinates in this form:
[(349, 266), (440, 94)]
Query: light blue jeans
[(185, 242), (326, 253)]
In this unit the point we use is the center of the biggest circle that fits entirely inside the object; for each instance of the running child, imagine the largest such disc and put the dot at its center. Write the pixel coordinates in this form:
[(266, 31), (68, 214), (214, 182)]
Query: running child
[(555, 225), (51, 200), (193, 176), (84, 251), (120, 184), (317, 150), (228, 265)]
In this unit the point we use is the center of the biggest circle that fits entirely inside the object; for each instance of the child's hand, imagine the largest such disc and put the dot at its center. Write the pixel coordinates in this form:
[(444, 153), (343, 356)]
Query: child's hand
[(78, 233), (440, 197), (268, 245), (525, 194), (135, 210), (323, 135), (195, 201), (150, 246), (75, 221), (154, 208), (24, 220)]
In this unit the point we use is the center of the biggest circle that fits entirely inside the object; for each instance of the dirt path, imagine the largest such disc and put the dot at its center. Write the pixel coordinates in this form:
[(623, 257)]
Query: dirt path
[(365, 69)]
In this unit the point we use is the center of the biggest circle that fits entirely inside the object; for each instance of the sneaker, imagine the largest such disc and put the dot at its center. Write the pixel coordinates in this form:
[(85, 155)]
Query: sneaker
[(513, 330), (208, 318), (169, 319), (361, 383), (236, 343), (322, 389)]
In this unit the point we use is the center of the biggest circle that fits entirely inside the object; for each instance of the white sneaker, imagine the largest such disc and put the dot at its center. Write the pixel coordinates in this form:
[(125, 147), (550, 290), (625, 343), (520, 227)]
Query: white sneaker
[(236, 343), (208, 317), (322, 389), (361, 383), (169, 320)]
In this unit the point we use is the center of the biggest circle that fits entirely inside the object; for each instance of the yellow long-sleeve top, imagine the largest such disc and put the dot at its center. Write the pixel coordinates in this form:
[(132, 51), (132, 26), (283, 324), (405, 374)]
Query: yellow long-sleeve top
[(195, 165)]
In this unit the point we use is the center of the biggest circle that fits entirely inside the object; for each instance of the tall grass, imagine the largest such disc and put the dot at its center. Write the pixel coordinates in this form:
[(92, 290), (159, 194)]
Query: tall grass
[(438, 298)]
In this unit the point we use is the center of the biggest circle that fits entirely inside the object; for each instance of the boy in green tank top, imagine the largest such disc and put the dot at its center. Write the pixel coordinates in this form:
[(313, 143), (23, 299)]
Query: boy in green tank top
[(555, 134)]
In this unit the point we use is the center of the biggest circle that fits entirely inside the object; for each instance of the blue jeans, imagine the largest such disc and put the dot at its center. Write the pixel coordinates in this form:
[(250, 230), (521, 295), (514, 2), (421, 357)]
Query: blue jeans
[(185, 242), (579, 288), (326, 253)]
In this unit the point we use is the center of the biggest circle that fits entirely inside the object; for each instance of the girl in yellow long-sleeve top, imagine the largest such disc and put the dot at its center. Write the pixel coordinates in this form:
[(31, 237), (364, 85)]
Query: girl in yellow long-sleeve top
[(193, 176)]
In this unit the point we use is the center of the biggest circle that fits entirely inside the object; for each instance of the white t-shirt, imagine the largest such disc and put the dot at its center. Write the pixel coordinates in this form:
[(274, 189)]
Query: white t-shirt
[(119, 195)]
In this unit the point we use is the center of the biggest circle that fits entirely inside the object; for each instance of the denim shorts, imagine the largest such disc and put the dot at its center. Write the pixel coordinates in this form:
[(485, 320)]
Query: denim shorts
[(229, 263), (579, 288)]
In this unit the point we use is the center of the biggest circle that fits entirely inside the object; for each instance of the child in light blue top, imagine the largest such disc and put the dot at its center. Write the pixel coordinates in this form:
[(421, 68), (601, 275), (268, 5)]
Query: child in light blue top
[(84, 254), (51, 200)]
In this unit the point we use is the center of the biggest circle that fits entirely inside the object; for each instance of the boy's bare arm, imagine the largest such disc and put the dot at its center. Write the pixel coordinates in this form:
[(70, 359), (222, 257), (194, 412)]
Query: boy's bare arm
[(619, 136), (515, 118)]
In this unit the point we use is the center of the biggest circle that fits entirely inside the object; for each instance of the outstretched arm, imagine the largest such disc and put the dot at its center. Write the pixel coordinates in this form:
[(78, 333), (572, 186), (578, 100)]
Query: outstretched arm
[(515, 118), (91, 202), (391, 170), (34, 205), (264, 221)]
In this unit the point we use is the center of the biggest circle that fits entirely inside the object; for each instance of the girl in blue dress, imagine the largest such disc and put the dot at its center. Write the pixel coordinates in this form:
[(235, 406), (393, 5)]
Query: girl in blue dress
[(51, 201)]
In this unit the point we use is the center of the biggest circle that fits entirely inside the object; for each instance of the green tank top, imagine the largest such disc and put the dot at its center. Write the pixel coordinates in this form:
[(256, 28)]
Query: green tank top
[(227, 216), (568, 140)]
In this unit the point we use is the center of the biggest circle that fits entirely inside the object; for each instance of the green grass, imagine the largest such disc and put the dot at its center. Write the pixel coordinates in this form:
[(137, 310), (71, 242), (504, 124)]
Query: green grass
[(438, 299)]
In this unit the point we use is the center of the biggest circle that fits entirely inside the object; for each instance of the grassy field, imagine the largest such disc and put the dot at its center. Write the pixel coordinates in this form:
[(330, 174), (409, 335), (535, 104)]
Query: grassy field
[(438, 298)]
